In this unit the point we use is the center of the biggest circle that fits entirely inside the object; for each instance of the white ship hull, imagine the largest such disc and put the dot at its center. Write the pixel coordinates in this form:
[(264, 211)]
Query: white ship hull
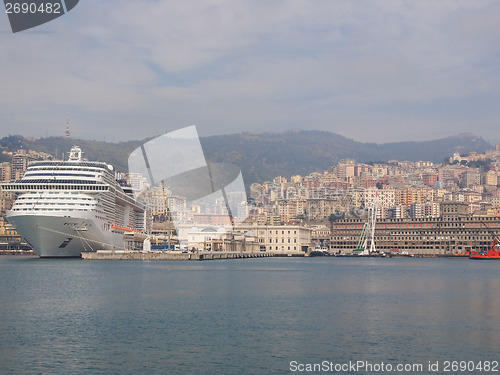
[(64, 208), (60, 236)]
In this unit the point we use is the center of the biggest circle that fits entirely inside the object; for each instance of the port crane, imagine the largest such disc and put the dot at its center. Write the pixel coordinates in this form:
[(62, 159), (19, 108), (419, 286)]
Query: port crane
[(366, 243)]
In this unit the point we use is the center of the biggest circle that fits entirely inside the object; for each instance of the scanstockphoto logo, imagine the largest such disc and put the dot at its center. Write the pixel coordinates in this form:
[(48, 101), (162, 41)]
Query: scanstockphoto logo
[(24, 15)]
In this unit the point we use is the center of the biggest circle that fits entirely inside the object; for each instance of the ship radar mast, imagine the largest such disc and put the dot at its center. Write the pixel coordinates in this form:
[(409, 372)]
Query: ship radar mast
[(75, 154)]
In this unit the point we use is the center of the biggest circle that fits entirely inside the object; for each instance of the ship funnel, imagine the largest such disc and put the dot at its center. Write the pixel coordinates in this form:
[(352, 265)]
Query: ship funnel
[(75, 154)]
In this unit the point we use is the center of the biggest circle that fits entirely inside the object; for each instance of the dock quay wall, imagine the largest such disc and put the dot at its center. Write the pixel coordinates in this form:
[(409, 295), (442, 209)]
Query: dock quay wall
[(177, 255)]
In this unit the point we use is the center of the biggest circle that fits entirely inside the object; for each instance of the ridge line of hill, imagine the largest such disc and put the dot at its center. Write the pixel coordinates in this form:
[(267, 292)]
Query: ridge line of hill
[(262, 156)]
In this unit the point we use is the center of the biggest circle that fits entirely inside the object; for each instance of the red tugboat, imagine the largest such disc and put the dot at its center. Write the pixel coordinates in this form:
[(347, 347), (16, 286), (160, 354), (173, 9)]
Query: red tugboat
[(492, 253)]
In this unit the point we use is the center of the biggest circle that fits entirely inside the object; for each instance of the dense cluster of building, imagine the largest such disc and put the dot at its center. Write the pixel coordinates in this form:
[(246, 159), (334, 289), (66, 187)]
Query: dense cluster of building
[(403, 189)]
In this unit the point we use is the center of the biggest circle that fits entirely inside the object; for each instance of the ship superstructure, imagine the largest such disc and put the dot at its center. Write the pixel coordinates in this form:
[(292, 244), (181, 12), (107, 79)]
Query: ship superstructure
[(66, 207)]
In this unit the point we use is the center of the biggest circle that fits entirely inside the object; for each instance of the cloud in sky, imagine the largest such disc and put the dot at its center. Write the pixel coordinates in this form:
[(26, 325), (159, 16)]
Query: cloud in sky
[(370, 70)]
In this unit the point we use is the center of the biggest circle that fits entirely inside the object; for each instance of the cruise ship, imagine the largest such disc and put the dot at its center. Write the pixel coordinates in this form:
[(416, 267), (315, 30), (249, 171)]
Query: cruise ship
[(64, 208)]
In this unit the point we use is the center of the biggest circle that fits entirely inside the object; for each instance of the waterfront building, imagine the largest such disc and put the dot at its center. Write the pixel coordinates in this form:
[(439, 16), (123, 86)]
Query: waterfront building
[(233, 241), (197, 236), (6, 228), (320, 235), (290, 239), (163, 230), (10, 239), (453, 234)]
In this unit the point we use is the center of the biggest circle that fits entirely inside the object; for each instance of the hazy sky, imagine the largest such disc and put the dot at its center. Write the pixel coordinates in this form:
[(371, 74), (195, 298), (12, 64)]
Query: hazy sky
[(369, 70)]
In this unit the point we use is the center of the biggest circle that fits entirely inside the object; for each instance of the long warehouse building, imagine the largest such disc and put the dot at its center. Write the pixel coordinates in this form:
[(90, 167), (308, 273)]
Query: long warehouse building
[(454, 233)]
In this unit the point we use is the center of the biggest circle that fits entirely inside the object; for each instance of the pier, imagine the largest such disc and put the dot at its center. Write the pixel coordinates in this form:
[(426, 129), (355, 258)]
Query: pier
[(176, 255)]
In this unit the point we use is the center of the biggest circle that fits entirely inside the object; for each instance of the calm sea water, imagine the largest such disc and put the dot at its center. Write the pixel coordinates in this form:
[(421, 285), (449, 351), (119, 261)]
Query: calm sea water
[(246, 316)]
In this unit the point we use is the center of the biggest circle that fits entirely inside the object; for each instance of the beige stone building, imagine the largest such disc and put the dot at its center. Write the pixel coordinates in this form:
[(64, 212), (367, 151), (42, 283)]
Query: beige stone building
[(292, 239), (286, 239)]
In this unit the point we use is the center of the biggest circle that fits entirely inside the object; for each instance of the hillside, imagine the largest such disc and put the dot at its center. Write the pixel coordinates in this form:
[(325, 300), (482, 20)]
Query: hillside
[(262, 156), (113, 153)]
